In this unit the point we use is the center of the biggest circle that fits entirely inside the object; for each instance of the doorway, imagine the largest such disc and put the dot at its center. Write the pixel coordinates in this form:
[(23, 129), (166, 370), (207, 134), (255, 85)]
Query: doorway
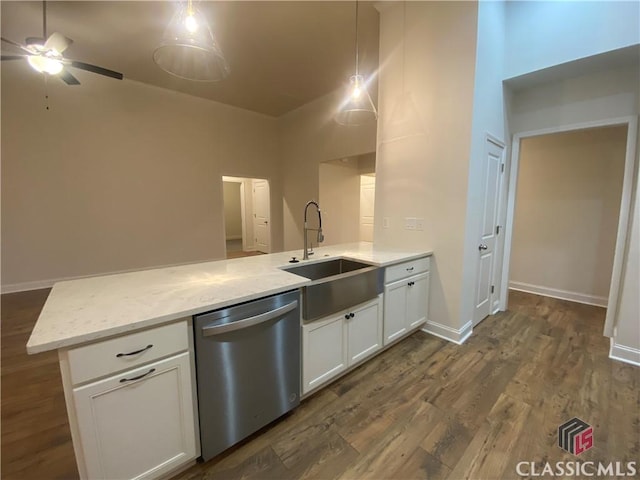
[(246, 216), (589, 210), (346, 197)]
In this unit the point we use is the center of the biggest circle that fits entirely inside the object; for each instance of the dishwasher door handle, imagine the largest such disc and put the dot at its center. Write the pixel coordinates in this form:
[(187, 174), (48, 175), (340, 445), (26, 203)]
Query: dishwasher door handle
[(248, 322)]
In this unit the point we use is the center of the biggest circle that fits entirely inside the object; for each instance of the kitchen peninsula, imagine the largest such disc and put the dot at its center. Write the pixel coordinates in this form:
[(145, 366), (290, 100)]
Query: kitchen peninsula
[(126, 346)]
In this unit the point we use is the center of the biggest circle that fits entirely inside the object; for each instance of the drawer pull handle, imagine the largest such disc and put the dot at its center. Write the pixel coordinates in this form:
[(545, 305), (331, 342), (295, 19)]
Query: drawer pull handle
[(123, 380), (410, 269), (134, 353)]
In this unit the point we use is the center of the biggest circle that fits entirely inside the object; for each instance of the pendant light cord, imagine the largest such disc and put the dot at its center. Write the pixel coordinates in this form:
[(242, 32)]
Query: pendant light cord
[(404, 39), (356, 37), (44, 19)]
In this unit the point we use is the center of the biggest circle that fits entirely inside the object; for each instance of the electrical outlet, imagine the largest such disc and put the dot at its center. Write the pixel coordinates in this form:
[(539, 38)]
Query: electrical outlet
[(410, 223), (385, 222), (420, 224)]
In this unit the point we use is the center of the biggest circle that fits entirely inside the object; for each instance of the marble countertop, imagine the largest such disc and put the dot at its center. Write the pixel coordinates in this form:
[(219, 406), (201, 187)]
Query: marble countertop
[(80, 311)]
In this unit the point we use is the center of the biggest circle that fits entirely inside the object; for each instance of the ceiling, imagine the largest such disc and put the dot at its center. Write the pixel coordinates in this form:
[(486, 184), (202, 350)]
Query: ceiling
[(282, 54)]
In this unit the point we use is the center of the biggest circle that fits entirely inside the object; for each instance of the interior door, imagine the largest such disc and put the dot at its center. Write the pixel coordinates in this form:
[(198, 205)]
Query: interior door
[(261, 209), (367, 200), (491, 180)]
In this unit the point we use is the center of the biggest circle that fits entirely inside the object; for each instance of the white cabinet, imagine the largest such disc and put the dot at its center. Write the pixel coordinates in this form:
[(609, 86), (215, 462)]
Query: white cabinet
[(139, 420), (364, 332), (406, 298), (324, 351), (333, 344)]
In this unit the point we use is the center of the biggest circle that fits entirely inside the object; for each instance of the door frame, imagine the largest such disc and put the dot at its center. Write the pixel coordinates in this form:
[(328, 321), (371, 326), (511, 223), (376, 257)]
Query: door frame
[(628, 186), (240, 180)]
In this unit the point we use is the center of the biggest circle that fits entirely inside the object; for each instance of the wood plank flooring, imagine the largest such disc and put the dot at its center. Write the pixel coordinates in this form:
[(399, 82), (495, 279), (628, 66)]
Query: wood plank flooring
[(423, 409)]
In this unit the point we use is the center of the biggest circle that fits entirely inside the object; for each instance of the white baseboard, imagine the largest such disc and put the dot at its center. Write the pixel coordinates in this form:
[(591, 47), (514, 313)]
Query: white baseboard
[(624, 354), (447, 333), (234, 237), (560, 294), (37, 285)]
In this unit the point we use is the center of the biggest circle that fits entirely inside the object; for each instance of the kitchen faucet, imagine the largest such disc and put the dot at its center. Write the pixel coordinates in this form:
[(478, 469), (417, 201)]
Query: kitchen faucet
[(306, 254)]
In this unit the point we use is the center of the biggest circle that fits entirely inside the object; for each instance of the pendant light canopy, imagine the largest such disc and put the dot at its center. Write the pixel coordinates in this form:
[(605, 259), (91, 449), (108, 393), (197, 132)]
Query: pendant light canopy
[(357, 108), (189, 50)]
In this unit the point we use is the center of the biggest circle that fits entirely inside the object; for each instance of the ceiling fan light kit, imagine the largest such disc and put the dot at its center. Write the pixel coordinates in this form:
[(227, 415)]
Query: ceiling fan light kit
[(357, 108), (45, 55), (189, 50)]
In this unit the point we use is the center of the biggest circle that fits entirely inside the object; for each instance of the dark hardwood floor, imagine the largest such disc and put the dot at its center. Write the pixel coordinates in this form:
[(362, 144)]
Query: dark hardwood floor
[(425, 408)]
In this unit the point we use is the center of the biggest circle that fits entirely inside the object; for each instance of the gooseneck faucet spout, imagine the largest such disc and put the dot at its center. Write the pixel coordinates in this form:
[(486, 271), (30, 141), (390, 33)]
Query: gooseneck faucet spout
[(306, 254)]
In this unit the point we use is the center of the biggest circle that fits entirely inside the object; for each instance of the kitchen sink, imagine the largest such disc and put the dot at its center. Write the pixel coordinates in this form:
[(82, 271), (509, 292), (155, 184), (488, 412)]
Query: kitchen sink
[(337, 284)]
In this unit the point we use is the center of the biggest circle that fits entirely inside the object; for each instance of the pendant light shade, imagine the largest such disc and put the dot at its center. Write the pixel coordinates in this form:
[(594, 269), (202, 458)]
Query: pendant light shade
[(189, 50), (357, 108)]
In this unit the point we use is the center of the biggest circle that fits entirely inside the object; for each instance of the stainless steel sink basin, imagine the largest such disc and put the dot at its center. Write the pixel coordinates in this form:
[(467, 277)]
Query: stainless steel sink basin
[(337, 285)]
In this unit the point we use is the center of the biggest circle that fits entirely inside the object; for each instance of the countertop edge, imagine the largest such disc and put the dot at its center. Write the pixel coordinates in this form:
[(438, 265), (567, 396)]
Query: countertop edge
[(156, 321)]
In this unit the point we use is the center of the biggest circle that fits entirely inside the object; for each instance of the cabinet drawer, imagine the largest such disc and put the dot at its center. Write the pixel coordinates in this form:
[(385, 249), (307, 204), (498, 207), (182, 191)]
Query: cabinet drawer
[(406, 269), (121, 353)]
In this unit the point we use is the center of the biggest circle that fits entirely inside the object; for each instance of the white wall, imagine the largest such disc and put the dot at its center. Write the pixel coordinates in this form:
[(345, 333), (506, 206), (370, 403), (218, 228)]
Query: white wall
[(594, 97), (567, 210), (309, 135), (119, 175), (339, 197), (232, 210), (425, 174), (546, 33)]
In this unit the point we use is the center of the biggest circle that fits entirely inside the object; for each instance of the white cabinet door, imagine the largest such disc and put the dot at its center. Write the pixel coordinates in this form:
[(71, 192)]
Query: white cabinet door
[(364, 331), (395, 310), (138, 424), (417, 300), (324, 351)]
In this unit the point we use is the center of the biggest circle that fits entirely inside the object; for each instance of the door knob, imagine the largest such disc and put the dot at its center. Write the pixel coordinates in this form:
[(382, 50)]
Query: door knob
[(482, 246)]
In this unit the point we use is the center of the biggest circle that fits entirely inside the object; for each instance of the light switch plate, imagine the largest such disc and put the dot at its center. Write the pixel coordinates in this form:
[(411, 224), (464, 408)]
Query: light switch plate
[(385, 222), (420, 224)]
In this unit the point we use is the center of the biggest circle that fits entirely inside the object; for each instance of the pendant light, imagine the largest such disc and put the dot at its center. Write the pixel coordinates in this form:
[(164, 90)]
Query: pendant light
[(189, 50), (357, 107)]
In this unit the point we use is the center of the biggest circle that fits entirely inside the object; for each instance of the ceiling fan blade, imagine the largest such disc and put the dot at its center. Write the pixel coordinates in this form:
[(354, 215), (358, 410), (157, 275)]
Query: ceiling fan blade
[(12, 57), (68, 78), (58, 42), (15, 44), (95, 69)]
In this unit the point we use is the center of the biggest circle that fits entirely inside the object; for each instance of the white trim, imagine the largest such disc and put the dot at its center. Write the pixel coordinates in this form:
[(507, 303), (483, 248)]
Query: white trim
[(39, 284), (623, 227), (243, 217), (234, 237), (447, 333), (557, 293), (625, 207), (624, 354)]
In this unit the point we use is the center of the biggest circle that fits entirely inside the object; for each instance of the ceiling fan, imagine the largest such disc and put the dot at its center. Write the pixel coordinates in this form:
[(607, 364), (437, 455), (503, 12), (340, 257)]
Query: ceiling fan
[(45, 55)]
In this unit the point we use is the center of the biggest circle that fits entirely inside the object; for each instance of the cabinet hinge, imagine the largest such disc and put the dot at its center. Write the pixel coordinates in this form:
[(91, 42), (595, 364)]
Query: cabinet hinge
[(492, 288)]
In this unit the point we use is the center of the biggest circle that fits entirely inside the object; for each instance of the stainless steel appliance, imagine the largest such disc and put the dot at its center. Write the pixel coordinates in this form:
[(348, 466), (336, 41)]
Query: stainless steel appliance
[(248, 368)]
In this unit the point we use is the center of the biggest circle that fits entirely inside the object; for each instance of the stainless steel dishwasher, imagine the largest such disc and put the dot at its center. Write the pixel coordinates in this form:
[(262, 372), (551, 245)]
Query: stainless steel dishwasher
[(248, 368)]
